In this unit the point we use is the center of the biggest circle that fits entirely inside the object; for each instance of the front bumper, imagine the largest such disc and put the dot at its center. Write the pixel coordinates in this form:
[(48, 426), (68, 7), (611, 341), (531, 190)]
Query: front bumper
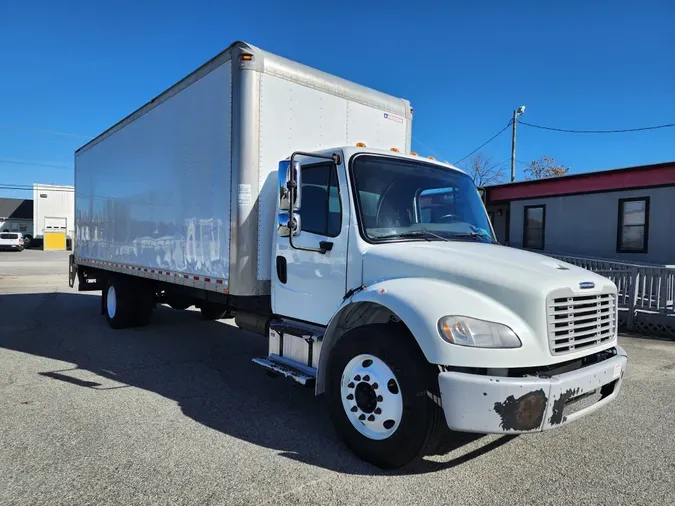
[(497, 405)]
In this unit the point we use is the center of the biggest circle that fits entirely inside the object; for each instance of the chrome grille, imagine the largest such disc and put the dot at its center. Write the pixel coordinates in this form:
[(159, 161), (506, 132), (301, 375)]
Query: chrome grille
[(581, 321)]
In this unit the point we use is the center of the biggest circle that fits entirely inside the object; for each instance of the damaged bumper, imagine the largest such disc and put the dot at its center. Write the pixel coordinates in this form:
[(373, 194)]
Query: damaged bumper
[(495, 404)]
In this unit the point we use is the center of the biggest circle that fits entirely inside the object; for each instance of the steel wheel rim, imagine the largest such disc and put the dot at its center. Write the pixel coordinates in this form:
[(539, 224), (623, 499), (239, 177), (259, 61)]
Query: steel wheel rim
[(371, 397), (111, 302)]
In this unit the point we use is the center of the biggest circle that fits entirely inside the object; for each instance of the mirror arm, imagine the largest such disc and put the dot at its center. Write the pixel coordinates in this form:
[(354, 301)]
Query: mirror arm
[(292, 190)]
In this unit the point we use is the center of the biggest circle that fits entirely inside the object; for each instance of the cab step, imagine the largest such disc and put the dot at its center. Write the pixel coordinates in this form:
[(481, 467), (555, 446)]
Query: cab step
[(282, 366)]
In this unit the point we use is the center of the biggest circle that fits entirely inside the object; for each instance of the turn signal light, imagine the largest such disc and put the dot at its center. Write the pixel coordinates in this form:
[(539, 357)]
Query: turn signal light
[(412, 153), (360, 145), (431, 158), (395, 150), (246, 57)]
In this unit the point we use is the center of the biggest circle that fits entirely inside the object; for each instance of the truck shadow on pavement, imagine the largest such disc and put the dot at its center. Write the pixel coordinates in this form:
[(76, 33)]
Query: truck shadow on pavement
[(206, 368)]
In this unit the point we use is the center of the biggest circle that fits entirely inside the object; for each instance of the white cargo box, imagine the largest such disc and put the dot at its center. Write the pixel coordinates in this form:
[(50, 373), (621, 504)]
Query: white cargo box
[(184, 189)]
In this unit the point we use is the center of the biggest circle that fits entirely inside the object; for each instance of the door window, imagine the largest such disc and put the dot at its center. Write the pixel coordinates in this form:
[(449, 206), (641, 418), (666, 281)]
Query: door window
[(320, 208)]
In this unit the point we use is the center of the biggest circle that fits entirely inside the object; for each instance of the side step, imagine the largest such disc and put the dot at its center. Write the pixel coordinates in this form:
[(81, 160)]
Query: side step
[(280, 365)]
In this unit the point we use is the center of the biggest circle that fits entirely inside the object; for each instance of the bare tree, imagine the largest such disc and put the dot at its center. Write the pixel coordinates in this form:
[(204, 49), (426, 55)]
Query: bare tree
[(545, 167), (484, 171)]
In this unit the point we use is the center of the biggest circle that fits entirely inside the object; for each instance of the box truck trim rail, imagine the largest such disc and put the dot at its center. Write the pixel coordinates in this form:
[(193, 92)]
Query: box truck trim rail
[(178, 278)]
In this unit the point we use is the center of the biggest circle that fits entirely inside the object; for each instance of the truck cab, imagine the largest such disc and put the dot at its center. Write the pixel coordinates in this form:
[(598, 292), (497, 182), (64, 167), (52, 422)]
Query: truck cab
[(391, 292)]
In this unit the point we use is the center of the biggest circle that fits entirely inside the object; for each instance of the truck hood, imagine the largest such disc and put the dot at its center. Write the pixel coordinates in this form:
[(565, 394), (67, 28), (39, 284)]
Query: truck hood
[(516, 279)]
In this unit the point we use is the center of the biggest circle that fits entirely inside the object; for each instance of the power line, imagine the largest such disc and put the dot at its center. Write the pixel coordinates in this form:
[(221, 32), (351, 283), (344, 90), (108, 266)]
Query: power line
[(24, 187), (485, 143), (2, 160), (48, 132), (427, 147), (669, 125)]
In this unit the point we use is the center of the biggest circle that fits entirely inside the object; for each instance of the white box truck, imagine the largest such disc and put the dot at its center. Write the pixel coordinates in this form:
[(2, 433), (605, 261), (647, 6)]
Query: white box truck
[(289, 198)]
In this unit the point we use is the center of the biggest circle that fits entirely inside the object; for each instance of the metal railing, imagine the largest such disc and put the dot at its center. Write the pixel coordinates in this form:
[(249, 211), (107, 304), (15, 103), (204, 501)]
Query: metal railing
[(643, 288)]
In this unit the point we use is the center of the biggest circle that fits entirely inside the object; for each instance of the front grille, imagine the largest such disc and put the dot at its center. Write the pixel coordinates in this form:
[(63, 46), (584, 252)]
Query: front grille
[(580, 321)]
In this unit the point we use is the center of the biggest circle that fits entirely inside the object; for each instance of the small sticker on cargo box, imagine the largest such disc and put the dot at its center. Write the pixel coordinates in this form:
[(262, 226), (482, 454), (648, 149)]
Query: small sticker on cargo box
[(244, 196), (391, 117), (617, 371)]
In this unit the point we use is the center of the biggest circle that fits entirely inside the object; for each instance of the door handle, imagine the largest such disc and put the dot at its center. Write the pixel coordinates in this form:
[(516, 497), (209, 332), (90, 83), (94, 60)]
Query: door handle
[(326, 245), (282, 269)]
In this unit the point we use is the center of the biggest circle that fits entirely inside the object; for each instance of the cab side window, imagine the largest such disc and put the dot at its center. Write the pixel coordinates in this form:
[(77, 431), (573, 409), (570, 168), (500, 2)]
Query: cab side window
[(320, 207)]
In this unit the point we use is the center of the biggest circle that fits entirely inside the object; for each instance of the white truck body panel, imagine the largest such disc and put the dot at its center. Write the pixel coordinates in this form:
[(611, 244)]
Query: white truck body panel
[(156, 193), (187, 184), (53, 206)]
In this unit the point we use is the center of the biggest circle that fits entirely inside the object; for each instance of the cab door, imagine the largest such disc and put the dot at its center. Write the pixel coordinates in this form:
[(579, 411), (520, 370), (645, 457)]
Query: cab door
[(309, 285)]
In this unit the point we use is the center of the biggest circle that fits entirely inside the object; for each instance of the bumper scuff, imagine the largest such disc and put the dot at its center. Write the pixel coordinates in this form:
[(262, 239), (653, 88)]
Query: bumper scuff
[(524, 413), (489, 404)]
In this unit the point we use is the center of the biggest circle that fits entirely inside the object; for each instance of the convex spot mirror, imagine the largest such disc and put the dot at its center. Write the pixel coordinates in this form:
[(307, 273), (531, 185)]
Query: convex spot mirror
[(285, 185)]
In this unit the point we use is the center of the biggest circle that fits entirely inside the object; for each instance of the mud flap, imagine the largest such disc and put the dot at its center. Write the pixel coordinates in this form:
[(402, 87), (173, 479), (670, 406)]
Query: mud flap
[(72, 271)]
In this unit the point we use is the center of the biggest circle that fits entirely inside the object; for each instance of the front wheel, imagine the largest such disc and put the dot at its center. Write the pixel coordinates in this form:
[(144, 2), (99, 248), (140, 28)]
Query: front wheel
[(381, 394)]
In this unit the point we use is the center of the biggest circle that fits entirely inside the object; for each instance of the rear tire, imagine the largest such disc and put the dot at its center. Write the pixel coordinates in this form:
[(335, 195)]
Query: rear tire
[(118, 303), (377, 372), (127, 304), (144, 306)]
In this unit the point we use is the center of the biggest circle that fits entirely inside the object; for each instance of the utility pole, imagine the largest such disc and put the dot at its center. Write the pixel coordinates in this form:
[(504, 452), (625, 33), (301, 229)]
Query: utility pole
[(516, 113)]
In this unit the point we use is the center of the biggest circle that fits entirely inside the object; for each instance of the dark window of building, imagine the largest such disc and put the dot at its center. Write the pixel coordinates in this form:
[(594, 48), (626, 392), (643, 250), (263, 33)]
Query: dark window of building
[(491, 215), (320, 209), (633, 230), (534, 227)]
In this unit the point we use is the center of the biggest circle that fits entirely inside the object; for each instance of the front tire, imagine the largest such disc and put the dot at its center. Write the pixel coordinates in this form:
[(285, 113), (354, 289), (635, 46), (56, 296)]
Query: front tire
[(378, 392)]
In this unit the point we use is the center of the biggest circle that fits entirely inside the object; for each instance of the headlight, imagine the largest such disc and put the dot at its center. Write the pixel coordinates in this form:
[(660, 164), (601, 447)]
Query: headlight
[(466, 331)]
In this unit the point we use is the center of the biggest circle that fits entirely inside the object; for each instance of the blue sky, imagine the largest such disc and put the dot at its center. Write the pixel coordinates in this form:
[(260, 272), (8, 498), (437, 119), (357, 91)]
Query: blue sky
[(79, 66)]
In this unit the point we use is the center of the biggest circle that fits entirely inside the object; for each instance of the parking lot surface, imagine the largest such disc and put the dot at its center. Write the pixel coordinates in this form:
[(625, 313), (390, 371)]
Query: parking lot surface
[(176, 413)]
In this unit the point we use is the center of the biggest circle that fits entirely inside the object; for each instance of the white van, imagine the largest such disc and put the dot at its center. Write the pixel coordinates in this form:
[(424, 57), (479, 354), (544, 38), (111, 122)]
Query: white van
[(11, 241)]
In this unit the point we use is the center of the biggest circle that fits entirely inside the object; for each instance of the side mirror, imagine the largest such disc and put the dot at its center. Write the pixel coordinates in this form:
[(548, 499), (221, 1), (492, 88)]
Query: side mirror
[(284, 176), (482, 193), (287, 224)]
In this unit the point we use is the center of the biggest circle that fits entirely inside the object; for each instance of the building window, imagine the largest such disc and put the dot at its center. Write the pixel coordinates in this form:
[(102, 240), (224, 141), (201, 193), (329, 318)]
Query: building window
[(320, 209), (633, 231), (23, 228), (534, 227)]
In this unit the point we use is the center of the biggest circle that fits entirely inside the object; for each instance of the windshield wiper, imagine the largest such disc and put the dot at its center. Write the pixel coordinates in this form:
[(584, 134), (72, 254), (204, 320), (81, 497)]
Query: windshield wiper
[(472, 235), (424, 233)]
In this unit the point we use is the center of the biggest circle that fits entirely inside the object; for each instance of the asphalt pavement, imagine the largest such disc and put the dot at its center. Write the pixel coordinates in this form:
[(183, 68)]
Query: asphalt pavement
[(176, 413)]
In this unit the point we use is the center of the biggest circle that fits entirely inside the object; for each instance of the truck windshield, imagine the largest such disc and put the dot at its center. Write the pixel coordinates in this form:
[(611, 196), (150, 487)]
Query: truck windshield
[(401, 199)]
